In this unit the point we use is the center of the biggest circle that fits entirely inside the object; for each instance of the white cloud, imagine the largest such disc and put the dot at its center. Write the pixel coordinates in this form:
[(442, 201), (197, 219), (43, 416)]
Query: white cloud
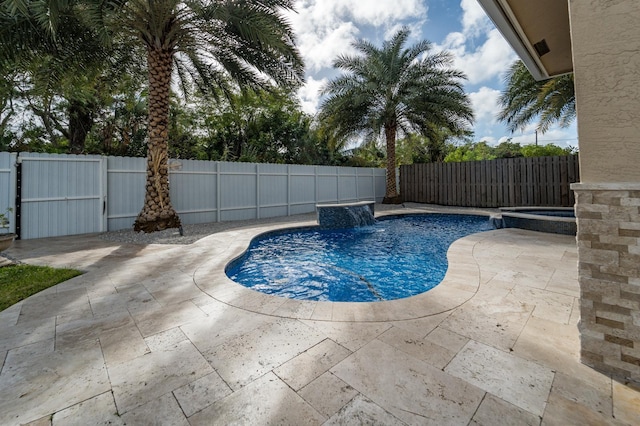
[(474, 18), (485, 104), (309, 95), (479, 49), (368, 12), (327, 28), (320, 48), (378, 13), (483, 64)]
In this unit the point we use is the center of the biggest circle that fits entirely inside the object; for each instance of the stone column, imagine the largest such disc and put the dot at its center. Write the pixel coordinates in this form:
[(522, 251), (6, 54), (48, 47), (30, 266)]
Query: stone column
[(608, 217), (606, 57)]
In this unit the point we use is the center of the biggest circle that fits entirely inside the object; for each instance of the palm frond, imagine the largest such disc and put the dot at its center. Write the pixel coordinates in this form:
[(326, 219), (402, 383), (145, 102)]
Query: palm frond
[(524, 100), (410, 88)]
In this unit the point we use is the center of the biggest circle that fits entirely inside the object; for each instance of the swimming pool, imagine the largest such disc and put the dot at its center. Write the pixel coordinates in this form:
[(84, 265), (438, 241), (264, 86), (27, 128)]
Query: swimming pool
[(397, 257)]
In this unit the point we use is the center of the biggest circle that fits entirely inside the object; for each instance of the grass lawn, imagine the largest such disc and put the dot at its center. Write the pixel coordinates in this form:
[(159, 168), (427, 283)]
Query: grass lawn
[(18, 282)]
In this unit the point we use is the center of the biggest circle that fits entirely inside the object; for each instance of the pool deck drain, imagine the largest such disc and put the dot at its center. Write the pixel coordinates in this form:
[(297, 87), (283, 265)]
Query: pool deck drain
[(158, 334)]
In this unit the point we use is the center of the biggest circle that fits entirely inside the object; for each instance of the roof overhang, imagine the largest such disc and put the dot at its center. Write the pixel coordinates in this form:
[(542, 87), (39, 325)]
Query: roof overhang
[(537, 30)]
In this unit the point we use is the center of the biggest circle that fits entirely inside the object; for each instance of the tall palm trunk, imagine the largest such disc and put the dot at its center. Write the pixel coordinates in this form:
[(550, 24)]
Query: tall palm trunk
[(157, 213), (391, 194)]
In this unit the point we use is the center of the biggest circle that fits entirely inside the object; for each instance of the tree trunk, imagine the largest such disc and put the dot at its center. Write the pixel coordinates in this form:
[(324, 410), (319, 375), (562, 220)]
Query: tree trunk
[(157, 213), (80, 123), (391, 195)]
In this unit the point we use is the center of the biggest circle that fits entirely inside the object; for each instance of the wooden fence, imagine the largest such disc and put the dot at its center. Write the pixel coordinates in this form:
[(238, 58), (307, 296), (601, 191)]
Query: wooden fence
[(536, 181)]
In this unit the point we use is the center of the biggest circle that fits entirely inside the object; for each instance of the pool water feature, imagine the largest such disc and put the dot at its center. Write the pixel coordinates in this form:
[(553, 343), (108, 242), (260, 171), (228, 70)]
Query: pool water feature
[(397, 257), (348, 215)]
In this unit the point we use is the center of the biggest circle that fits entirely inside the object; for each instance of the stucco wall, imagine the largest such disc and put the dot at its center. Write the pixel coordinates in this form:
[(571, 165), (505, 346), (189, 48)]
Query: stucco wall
[(606, 57)]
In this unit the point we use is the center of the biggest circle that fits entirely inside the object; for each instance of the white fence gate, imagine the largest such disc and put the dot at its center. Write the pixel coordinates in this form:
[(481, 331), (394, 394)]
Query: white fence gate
[(70, 194), (62, 195)]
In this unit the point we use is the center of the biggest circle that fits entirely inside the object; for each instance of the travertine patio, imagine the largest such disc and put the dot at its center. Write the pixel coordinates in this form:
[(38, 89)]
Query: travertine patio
[(157, 335)]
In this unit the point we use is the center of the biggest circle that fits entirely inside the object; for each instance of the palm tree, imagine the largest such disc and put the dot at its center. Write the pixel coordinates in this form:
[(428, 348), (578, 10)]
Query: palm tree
[(395, 90), (215, 45), (208, 43), (525, 99)]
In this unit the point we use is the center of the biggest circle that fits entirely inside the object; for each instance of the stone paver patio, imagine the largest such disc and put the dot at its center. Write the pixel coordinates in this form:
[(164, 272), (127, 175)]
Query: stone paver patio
[(157, 334)]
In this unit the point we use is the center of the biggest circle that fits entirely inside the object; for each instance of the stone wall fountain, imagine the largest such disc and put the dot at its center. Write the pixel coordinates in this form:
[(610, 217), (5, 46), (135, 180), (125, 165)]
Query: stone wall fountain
[(348, 215)]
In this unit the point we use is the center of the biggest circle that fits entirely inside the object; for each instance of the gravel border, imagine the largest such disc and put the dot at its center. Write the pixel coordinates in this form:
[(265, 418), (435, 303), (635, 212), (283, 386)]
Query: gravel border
[(193, 233)]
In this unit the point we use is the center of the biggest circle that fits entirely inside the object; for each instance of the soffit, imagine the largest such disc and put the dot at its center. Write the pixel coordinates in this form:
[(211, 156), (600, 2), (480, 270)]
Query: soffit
[(525, 23)]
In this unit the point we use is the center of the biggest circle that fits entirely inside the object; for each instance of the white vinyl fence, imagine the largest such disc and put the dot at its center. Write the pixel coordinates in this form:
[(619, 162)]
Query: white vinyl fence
[(72, 194)]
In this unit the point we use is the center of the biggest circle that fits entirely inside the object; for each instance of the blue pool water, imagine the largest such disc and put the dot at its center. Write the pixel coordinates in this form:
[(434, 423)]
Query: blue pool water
[(397, 257)]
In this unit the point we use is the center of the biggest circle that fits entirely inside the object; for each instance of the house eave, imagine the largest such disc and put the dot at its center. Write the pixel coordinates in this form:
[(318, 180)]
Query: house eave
[(524, 24)]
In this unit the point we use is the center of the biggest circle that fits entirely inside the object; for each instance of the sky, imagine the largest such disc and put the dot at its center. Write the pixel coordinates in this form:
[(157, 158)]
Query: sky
[(327, 28)]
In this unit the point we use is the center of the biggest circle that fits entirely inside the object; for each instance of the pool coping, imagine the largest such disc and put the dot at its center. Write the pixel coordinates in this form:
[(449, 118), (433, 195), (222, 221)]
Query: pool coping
[(460, 284)]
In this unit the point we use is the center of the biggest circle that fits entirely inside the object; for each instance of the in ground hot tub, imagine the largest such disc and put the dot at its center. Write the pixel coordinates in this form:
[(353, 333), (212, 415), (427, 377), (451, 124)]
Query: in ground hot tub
[(556, 220)]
